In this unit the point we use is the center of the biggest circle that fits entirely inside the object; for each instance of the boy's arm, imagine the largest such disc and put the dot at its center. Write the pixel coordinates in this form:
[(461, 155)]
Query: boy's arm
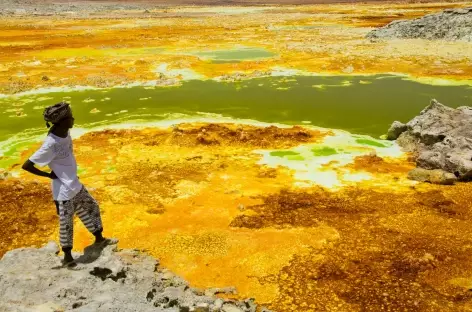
[(42, 157), (29, 166)]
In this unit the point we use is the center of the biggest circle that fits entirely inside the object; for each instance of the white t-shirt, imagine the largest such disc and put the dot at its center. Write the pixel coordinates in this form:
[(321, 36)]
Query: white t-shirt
[(56, 152)]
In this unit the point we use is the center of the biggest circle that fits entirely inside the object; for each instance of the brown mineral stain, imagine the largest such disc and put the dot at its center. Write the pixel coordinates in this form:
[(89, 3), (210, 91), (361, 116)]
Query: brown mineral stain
[(378, 165)]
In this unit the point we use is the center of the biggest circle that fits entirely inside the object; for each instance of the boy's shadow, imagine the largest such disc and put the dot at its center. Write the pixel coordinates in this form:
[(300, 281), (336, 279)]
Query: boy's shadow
[(91, 253)]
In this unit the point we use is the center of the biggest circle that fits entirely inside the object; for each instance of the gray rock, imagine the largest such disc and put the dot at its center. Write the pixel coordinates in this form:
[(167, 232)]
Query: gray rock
[(51, 247), (395, 130), (250, 305), (451, 24), (218, 304), (228, 307), (104, 279), (435, 176), (223, 290), (202, 307), (440, 137), (408, 142)]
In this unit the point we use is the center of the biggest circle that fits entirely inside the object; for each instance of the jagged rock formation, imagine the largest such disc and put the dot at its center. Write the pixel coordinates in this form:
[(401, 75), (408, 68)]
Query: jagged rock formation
[(32, 279), (440, 137), (451, 24)]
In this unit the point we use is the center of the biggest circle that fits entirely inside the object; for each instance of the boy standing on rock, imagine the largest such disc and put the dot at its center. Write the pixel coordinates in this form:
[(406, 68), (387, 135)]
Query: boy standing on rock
[(70, 196)]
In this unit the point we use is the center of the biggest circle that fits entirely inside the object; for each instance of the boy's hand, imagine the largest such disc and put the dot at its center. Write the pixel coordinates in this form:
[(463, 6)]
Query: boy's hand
[(29, 166)]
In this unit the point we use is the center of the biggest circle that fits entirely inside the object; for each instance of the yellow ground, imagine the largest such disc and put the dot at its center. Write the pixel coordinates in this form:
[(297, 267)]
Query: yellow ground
[(198, 200), (195, 198), (131, 46)]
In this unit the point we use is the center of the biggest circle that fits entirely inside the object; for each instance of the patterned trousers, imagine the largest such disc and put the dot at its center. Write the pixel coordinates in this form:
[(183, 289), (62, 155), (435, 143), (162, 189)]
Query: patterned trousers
[(86, 208)]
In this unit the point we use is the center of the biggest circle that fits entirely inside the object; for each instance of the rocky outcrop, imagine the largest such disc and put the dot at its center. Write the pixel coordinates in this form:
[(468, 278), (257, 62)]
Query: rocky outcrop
[(434, 176), (440, 137), (451, 24), (32, 279), (395, 130)]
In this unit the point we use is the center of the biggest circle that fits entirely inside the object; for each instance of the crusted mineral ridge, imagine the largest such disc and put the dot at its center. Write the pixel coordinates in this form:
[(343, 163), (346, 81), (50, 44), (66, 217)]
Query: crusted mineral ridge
[(440, 137), (32, 279), (450, 25)]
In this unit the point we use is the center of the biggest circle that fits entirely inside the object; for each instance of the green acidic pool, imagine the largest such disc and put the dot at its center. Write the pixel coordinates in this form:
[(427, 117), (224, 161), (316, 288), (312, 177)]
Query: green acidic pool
[(324, 151), (370, 142), (358, 107), (240, 54)]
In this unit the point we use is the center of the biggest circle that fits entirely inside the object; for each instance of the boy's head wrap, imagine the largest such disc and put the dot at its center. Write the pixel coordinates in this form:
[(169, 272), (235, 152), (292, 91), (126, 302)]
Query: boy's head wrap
[(55, 113)]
